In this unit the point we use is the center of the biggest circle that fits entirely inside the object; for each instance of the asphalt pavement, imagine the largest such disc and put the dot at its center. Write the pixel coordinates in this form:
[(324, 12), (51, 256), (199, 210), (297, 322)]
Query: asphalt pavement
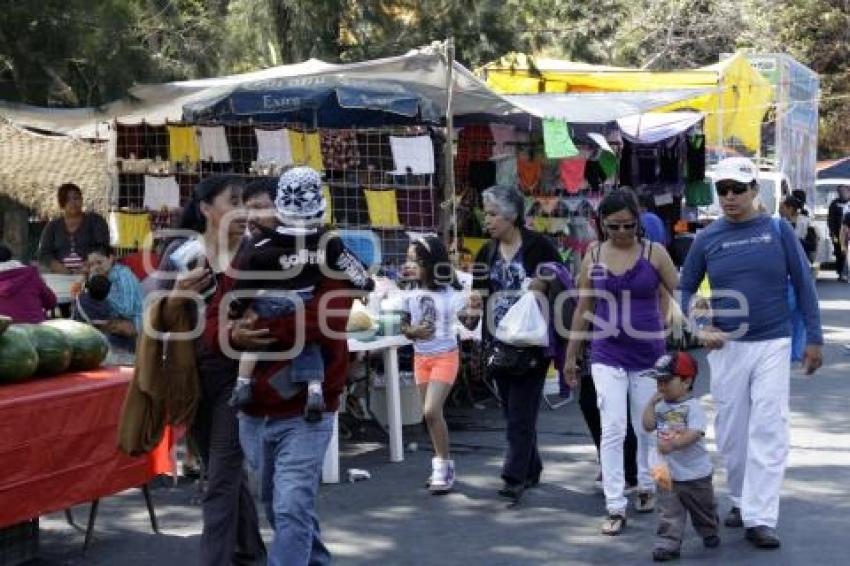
[(391, 519)]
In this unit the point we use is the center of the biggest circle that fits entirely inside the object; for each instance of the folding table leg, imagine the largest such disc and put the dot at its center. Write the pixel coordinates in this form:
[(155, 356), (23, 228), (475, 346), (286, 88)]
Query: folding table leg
[(69, 516), (149, 502), (90, 526)]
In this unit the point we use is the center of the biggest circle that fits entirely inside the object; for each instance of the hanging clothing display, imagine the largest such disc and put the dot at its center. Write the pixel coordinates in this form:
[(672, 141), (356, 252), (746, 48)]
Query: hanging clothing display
[(503, 139), (572, 173), (273, 147), (414, 155), (698, 193), (243, 146), (505, 170), (129, 229), (383, 211), (212, 144), (183, 145), (696, 157), (482, 174), (339, 149), (306, 149), (529, 172), (416, 207), (161, 192), (327, 216)]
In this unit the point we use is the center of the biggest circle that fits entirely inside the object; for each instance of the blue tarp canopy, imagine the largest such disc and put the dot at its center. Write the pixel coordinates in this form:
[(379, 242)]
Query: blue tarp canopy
[(326, 103)]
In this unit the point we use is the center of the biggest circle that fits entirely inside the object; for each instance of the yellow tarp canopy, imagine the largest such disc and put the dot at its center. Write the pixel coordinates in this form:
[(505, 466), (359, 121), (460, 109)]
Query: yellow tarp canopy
[(734, 109)]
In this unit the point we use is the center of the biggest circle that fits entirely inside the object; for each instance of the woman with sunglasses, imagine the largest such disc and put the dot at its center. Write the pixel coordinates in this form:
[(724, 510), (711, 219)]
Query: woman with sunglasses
[(626, 281), (750, 258)]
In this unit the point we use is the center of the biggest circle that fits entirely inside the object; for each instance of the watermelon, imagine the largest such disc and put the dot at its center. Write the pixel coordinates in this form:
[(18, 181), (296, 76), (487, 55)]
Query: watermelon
[(18, 358), (54, 351), (89, 346)]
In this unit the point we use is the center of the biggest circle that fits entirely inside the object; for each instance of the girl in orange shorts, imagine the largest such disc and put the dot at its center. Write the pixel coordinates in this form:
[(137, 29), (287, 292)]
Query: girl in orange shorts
[(431, 311)]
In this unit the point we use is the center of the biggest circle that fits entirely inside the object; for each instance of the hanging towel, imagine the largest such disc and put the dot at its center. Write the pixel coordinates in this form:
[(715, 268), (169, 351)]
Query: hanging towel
[(529, 172), (339, 149), (306, 149), (273, 147), (506, 170), (183, 145), (161, 192), (556, 139), (412, 155), (383, 211), (502, 137), (572, 174), (129, 230), (213, 144), (313, 147), (327, 217)]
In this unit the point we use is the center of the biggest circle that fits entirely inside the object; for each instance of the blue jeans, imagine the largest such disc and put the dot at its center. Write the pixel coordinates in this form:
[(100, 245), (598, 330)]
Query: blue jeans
[(287, 455), (308, 365)]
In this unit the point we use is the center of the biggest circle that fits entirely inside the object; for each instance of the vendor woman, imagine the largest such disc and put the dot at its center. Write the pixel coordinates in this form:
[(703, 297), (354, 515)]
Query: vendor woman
[(67, 240)]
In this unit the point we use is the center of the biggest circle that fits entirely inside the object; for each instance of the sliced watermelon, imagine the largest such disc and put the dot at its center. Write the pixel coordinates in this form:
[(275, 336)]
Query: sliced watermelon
[(89, 346), (18, 357)]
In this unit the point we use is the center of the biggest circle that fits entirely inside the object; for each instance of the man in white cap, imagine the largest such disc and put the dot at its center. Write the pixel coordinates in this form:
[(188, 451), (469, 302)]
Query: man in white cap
[(749, 258)]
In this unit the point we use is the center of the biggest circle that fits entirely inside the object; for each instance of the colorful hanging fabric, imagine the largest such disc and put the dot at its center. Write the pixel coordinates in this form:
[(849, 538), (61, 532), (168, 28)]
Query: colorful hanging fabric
[(412, 155), (528, 172), (274, 147), (212, 143), (548, 205), (474, 245), (556, 139), (339, 149), (383, 210), (161, 192), (503, 138), (698, 193), (183, 145), (506, 173), (129, 230), (327, 217), (572, 174)]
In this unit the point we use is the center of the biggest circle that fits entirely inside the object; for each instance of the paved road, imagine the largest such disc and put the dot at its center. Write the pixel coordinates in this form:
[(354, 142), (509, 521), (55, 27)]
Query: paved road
[(393, 520)]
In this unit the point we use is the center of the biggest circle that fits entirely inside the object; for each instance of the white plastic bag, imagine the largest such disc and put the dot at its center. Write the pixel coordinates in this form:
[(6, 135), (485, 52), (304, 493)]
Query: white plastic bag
[(524, 324)]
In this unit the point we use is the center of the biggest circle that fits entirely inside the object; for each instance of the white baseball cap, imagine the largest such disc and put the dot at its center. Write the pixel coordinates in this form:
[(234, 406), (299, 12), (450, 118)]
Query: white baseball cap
[(738, 169)]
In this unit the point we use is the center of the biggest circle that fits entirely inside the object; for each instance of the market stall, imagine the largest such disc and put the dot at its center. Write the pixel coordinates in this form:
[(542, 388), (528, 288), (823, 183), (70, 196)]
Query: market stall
[(59, 447)]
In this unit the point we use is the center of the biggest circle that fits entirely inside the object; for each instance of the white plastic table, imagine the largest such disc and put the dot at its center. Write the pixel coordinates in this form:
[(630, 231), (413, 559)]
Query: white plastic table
[(389, 347), (61, 285)]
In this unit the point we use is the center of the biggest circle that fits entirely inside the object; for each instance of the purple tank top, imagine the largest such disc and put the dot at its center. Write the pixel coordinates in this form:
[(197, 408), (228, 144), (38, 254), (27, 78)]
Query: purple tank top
[(634, 298)]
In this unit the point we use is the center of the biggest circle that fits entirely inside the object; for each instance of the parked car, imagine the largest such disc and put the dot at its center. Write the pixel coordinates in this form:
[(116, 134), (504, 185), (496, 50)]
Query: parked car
[(826, 190)]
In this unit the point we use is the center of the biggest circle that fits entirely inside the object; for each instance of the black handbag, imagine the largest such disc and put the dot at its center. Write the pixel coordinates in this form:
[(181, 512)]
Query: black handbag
[(504, 357)]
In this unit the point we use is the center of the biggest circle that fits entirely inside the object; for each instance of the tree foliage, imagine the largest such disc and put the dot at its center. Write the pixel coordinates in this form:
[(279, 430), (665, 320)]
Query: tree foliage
[(80, 52)]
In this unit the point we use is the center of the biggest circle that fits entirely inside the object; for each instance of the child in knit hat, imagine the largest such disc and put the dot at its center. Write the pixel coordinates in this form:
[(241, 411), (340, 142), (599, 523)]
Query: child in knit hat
[(285, 265)]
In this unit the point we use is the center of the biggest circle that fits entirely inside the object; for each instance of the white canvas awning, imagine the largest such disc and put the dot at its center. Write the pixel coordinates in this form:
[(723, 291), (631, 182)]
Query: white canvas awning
[(599, 107)]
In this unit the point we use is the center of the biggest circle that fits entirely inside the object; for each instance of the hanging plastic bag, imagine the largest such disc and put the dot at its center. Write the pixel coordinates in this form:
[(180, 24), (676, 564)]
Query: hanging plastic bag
[(524, 324)]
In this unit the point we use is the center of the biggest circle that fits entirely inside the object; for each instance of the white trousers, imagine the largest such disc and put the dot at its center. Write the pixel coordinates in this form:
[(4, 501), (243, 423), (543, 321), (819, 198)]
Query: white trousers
[(617, 390), (750, 384)]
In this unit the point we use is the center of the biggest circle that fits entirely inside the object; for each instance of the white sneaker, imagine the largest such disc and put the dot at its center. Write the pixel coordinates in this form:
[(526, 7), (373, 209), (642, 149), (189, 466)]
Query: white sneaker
[(442, 476)]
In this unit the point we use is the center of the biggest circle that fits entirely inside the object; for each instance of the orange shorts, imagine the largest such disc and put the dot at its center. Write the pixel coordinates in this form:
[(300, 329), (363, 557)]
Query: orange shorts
[(436, 367)]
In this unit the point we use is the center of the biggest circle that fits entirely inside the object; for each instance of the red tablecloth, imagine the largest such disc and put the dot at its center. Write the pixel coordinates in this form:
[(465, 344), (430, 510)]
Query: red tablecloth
[(58, 444)]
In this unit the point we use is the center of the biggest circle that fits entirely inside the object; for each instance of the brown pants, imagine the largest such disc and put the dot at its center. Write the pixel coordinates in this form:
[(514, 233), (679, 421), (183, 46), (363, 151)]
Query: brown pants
[(694, 497)]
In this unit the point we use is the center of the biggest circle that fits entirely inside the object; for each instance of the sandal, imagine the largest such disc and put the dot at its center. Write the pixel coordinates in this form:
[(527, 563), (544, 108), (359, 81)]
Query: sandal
[(613, 525)]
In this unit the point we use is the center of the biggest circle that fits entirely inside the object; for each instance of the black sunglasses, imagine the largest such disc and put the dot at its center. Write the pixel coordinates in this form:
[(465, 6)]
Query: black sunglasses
[(723, 189), (621, 227)]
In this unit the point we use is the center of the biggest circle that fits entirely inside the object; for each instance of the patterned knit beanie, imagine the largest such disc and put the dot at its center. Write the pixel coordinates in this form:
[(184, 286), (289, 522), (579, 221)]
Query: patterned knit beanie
[(300, 201)]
